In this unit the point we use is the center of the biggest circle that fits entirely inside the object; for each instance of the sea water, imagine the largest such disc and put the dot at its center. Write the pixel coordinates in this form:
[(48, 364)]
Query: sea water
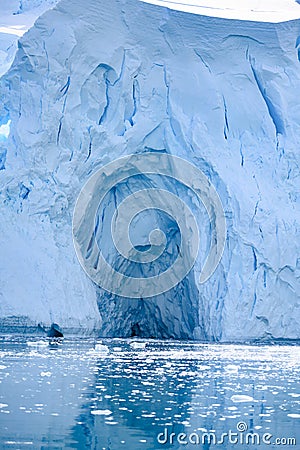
[(112, 394)]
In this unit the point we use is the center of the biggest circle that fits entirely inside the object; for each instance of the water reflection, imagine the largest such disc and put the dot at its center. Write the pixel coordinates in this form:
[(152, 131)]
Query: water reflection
[(119, 394)]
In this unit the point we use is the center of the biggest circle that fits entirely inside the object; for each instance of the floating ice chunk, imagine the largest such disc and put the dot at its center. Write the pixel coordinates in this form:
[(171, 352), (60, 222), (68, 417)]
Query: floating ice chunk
[(3, 405), (186, 423), (99, 348), (137, 345), (232, 368), (242, 398), (2, 367), (101, 412), (203, 367), (177, 354), (18, 442), (294, 416), (37, 343), (45, 374), (149, 415), (147, 383), (187, 374)]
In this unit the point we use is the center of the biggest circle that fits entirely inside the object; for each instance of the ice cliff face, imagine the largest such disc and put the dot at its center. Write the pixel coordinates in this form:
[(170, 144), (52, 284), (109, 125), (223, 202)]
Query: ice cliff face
[(92, 82)]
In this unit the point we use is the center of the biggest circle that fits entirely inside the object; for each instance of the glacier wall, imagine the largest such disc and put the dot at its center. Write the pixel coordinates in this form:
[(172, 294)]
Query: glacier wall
[(95, 81)]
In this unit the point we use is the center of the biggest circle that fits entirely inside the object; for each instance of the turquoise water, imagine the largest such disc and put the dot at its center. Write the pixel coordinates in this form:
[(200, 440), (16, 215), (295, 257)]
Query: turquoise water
[(115, 394)]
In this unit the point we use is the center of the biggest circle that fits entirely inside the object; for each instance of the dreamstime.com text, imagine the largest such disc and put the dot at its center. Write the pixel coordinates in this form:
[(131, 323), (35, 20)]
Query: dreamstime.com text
[(241, 436)]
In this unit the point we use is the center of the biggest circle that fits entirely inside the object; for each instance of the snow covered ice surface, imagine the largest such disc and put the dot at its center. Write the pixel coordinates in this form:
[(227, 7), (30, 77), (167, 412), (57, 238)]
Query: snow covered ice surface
[(255, 10), (92, 81), (16, 17), (72, 397)]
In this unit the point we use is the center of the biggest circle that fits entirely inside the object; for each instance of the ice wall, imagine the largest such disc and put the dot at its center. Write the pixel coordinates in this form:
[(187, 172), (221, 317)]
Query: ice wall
[(97, 80)]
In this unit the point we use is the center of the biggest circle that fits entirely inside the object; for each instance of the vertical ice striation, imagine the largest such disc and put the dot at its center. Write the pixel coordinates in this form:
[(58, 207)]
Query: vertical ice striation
[(94, 81)]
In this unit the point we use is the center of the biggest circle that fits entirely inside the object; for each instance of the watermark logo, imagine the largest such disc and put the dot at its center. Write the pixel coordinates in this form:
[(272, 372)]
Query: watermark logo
[(241, 436), (111, 175)]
